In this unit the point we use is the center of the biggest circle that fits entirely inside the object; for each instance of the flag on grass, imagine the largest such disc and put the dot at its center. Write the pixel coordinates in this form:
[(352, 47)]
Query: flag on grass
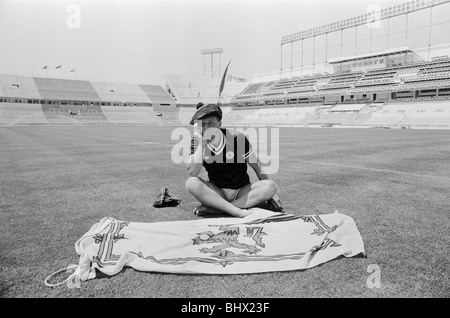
[(264, 241)]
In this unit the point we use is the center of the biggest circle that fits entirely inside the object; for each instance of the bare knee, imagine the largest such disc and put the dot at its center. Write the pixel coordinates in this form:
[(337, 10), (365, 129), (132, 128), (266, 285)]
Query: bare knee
[(192, 184), (272, 188), (269, 188)]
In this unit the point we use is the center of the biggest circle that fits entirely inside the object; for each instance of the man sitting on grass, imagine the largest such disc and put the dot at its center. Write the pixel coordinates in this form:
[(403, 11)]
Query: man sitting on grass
[(225, 154)]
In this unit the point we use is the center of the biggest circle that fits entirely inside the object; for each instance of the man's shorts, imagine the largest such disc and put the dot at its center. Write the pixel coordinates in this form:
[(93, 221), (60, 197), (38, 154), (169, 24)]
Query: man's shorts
[(230, 194)]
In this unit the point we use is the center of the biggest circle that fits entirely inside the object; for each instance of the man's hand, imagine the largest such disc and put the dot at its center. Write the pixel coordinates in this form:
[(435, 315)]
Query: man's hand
[(194, 165), (245, 212), (198, 136)]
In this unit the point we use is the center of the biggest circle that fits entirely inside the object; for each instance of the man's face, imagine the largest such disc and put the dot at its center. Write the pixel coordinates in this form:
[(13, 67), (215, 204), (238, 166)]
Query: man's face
[(212, 124)]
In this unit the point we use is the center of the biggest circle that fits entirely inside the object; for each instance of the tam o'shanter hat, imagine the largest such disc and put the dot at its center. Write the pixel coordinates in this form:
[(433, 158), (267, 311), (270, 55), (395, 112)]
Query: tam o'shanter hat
[(206, 111)]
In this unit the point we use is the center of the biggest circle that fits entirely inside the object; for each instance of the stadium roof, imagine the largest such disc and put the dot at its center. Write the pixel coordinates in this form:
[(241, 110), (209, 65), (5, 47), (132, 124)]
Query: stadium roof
[(370, 55)]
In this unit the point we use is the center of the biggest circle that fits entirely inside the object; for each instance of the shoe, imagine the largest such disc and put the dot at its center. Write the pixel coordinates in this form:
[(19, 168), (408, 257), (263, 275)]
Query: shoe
[(271, 205), (274, 206), (164, 199), (205, 211)]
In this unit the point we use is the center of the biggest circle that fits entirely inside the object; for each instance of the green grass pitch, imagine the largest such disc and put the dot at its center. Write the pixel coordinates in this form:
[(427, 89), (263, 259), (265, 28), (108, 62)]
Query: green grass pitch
[(57, 181)]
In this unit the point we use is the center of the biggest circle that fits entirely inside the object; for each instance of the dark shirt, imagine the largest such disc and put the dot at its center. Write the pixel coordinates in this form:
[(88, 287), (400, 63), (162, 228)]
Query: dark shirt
[(226, 164)]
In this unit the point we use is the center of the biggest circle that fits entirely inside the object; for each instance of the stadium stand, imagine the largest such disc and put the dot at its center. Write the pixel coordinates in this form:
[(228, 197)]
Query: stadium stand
[(377, 84), (15, 113), (67, 90), (37, 100), (238, 118), (131, 115), (121, 94), (157, 95), (360, 97), (299, 115), (186, 114), (415, 94), (347, 107), (190, 89)]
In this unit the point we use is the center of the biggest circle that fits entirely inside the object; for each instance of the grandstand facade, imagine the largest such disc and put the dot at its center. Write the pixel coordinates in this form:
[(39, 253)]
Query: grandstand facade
[(379, 77), (401, 92), (388, 89), (38, 100), (53, 91)]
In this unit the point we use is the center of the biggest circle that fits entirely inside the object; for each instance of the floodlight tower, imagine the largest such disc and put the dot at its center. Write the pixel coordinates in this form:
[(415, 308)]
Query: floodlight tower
[(212, 62)]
